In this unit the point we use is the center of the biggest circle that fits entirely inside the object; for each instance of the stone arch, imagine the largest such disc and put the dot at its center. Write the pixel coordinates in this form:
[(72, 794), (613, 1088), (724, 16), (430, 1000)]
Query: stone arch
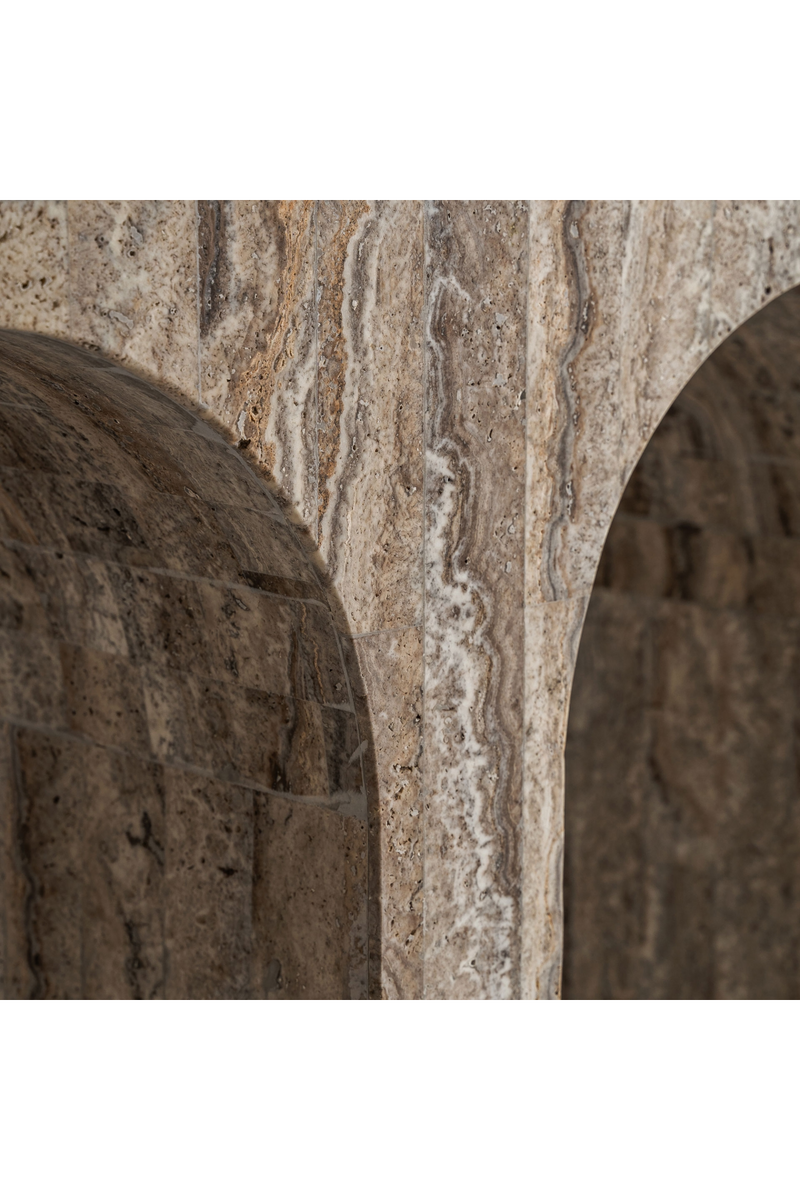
[(691, 802), (626, 301), (184, 810)]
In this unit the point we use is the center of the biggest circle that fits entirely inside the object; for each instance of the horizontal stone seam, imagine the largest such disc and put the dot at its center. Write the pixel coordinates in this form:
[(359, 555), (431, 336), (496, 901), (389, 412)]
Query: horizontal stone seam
[(276, 517), (179, 765), (139, 664), (14, 543), (354, 637)]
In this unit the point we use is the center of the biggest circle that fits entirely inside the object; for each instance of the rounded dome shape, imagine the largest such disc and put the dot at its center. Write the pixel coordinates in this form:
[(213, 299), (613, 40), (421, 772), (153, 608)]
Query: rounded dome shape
[(183, 803)]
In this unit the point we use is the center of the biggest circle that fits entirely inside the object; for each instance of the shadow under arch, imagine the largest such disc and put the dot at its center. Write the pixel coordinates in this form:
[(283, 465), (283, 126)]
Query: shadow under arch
[(683, 747), (184, 760)]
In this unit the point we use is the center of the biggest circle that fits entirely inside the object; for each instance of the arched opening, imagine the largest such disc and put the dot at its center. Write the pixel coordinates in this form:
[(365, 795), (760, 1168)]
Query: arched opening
[(682, 855), (182, 798)]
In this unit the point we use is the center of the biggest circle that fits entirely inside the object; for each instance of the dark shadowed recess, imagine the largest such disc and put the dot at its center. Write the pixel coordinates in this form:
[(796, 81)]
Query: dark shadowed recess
[(183, 810), (682, 865)]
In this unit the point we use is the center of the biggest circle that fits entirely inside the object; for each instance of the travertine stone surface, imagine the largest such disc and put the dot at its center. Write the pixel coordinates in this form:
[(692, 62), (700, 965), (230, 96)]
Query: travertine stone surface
[(626, 301), (371, 367), (476, 283), (391, 670), (133, 287), (33, 266), (683, 821), (169, 667), (256, 265), (324, 334)]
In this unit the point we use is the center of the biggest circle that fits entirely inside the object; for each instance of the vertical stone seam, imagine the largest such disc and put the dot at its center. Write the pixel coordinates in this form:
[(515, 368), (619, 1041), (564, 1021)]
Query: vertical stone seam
[(525, 567), (423, 781), (197, 290)]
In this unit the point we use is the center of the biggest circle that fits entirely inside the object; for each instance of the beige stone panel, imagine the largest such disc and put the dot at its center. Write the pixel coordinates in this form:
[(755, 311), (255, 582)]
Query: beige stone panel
[(33, 266), (627, 300), (756, 257), (390, 707), (618, 309), (552, 635), (133, 287), (370, 276), (476, 276), (257, 336)]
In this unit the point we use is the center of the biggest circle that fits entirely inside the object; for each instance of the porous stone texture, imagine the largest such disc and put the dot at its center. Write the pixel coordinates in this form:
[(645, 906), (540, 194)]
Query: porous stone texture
[(182, 803), (476, 279), (626, 300), (682, 813), (451, 397)]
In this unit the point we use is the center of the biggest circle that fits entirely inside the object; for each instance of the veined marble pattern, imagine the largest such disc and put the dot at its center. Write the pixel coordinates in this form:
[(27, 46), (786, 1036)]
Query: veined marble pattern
[(476, 281), (256, 266), (311, 332)]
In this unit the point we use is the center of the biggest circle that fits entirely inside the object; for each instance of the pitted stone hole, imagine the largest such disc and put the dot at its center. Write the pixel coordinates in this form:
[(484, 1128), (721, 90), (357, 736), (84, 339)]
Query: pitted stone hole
[(682, 809)]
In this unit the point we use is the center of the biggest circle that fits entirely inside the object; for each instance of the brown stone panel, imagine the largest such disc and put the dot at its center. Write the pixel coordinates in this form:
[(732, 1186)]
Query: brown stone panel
[(82, 862), (24, 607), (476, 280), (31, 680), (122, 853), (162, 621), (324, 677), (309, 902), (33, 266), (343, 748), (26, 514), (83, 609), (164, 617), (257, 336), (49, 804), (52, 511), (15, 392), (104, 698), (237, 733), (214, 469), (249, 635), (16, 974), (278, 554), (32, 445), (133, 286), (208, 880), (390, 707), (370, 276), (44, 371)]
